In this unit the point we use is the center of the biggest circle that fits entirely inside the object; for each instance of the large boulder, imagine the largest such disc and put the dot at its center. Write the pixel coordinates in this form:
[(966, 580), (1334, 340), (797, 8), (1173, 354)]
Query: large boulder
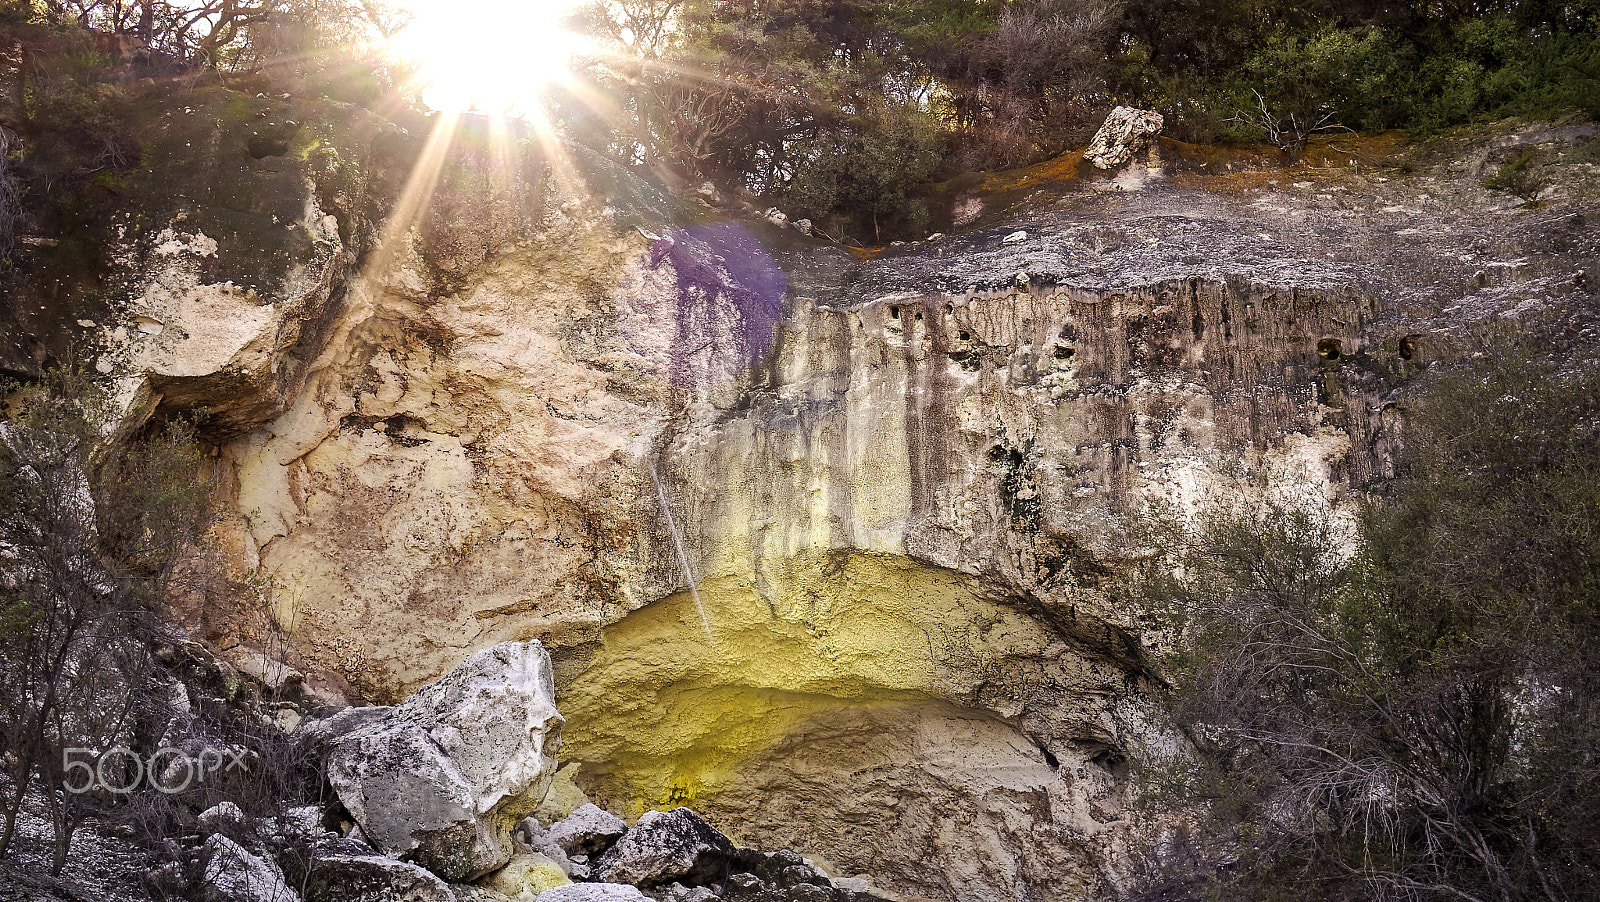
[(666, 846), (587, 830), (1125, 132), (441, 778)]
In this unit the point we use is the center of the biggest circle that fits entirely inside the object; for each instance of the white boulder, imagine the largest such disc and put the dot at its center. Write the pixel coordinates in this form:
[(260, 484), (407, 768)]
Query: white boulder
[(587, 830), (441, 778), (1125, 132), (235, 874)]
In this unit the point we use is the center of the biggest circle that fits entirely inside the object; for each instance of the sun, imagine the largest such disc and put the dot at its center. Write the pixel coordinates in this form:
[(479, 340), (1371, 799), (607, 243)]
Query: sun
[(491, 55)]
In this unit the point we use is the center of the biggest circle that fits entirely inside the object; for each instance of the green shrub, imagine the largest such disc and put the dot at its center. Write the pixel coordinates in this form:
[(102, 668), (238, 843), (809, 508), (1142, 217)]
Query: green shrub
[(1415, 710), (866, 177), (1517, 177)]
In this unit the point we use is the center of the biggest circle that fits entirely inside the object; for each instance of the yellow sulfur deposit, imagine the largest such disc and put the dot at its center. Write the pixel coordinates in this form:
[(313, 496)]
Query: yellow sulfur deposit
[(662, 715)]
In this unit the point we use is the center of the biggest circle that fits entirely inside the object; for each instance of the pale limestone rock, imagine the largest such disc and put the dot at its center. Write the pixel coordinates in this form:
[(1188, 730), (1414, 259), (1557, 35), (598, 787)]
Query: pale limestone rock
[(587, 830), (525, 876), (442, 777), (897, 526), (594, 892), (709, 193), (235, 874), (187, 342), (470, 478), (1125, 132), (904, 657), (222, 816), (303, 822), (258, 666)]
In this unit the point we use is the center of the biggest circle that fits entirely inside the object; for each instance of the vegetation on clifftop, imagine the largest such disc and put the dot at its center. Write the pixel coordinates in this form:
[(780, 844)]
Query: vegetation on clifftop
[(844, 111)]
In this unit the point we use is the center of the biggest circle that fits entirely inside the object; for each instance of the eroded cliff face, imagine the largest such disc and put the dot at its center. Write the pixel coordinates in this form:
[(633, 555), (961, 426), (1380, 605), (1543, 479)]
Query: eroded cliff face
[(825, 547), (905, 653)]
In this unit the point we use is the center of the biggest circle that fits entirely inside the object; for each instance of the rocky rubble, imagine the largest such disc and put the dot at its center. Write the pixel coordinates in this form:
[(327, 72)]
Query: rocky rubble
[(425, 796), (675, 856)]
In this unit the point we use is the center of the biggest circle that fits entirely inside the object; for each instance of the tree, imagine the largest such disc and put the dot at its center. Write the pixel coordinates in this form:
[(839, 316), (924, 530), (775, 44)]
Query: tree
[(867, 176), (93, 534), (205, 32), (631, 37)]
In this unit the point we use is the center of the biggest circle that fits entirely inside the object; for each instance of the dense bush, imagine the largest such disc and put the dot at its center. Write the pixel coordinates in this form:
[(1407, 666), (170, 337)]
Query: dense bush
[(765, 96), (762, 94), (872, 172), (1402, 708)]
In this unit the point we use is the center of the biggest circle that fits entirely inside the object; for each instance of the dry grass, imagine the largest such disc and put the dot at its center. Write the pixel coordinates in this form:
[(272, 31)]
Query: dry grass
[(1055, 170)]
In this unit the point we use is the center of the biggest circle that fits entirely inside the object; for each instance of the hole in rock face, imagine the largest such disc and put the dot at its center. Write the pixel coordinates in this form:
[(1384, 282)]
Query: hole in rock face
[(919, 316), (263, 146), (894, 312), (965, 335), (1050, 759), (1000, 454), (1328, 349), (1408, 348), (1063, 352), (1112, 762)]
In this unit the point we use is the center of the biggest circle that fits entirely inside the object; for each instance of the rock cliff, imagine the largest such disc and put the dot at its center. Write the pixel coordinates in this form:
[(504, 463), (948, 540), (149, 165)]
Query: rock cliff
[(824, 543)]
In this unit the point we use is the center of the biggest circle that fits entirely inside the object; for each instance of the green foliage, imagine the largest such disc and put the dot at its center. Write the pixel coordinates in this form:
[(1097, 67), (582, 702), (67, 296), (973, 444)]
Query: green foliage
[(866, 178), (1517, 177), (1406, 710), (1364, 68), (1345, 73), (67, 98)]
